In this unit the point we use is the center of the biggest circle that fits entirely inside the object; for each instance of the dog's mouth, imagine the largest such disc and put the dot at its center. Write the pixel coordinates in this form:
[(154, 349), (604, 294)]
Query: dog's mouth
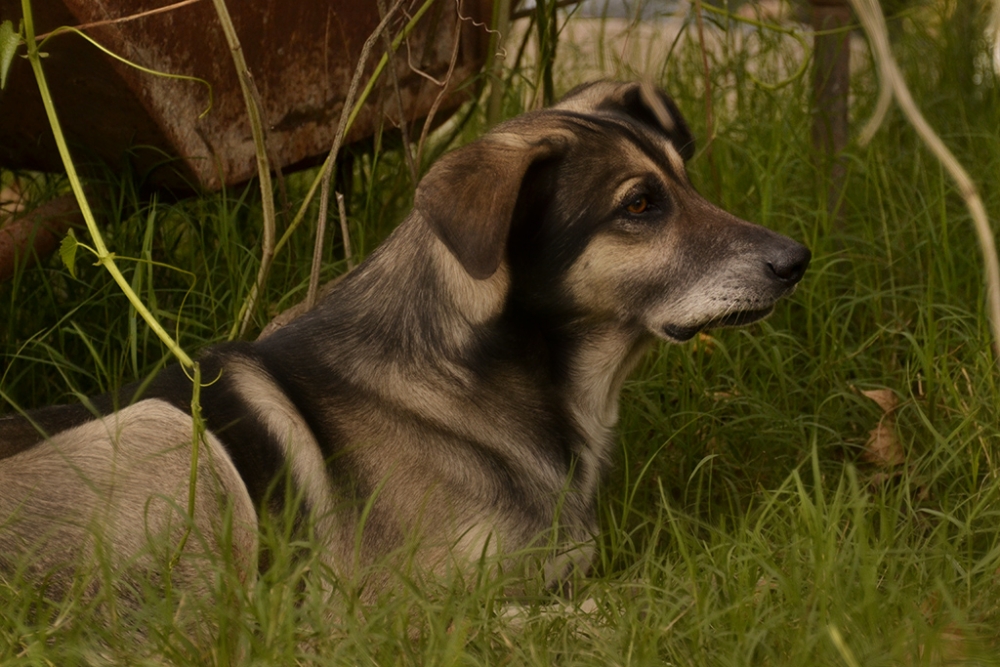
[(736, 319)]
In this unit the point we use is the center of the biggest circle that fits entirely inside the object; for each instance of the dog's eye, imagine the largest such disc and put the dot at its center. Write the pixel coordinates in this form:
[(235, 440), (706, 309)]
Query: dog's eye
[(638, 205)]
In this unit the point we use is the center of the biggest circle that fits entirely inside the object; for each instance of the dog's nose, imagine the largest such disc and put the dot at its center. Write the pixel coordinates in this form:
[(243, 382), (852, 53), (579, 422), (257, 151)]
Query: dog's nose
[(790, 264)]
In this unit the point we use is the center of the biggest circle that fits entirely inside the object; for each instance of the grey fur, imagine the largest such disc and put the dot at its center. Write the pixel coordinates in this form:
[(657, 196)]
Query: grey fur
[(463, 382)]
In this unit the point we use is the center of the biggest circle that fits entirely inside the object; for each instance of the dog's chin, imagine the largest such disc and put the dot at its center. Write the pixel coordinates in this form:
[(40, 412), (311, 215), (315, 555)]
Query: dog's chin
[(741, 318)]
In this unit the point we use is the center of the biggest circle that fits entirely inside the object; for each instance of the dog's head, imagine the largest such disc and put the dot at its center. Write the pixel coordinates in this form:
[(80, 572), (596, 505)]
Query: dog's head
[(590, 207)]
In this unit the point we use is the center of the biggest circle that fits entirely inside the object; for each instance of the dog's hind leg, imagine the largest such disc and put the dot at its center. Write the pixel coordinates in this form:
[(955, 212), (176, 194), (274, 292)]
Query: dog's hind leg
[(118, 488)]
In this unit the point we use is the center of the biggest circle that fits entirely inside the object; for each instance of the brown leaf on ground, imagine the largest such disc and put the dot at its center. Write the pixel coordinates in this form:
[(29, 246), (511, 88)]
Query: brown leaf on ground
[(883, 448), (886, 399)]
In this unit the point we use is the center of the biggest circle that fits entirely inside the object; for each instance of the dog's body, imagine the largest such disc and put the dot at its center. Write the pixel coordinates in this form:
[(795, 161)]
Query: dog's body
[(460, 388)]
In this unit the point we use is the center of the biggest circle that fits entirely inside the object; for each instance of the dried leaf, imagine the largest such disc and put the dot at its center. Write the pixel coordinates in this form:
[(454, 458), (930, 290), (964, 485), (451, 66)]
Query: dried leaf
[(886, 399), (883, 448)]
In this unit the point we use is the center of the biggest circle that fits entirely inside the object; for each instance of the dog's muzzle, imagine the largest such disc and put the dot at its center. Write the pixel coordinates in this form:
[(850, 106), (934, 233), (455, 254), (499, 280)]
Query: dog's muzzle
[(782, 267)]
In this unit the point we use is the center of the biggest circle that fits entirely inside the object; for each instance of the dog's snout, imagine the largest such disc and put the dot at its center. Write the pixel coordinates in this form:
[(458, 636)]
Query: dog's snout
[(789, 264)]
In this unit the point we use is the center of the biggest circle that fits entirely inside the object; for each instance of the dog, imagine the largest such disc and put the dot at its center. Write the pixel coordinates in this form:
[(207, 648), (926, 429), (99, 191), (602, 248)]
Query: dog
[(459, 390)]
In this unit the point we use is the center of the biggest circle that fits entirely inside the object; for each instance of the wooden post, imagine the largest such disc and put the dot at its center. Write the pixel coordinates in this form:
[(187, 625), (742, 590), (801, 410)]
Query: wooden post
[(494, 63), (831, 84)]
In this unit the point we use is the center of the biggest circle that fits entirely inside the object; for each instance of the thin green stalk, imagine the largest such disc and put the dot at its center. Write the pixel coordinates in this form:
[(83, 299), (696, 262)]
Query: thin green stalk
[(197, 433), (252, 99), (145, 70), (104, 258), (324, 198), (362, 98)]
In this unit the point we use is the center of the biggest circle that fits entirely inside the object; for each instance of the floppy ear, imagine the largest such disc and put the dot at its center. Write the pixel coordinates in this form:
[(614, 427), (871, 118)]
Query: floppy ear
[(468, 197), (641, 101)]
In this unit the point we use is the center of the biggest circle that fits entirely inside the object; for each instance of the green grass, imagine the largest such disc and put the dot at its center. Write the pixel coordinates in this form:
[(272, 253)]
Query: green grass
[(742, 523)]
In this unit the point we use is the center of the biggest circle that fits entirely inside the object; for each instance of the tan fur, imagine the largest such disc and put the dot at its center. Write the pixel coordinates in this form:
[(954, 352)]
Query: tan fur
[(454, 397), (118, 486)]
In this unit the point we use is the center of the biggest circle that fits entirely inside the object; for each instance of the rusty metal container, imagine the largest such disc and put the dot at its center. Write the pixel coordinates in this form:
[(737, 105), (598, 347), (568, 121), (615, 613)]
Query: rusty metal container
[(301, 53)]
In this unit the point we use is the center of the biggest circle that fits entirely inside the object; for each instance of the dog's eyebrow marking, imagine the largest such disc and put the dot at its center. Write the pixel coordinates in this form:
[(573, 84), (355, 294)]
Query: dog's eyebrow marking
[(626, 187), (649, 144), (654, 145)]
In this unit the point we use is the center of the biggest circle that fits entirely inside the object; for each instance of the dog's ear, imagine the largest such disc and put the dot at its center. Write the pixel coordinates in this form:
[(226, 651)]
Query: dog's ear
[(639, 100), (653, 101), (469, 195)]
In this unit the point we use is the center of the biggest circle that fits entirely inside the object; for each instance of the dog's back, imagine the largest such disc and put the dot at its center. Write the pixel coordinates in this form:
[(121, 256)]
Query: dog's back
[(460, 387)]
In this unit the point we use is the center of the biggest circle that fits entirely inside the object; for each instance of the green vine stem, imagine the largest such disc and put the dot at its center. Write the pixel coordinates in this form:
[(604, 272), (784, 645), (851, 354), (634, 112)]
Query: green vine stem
[(104, 258), (107, 260), (362, 98), (197, 434), (252, 99), (62, 30)]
